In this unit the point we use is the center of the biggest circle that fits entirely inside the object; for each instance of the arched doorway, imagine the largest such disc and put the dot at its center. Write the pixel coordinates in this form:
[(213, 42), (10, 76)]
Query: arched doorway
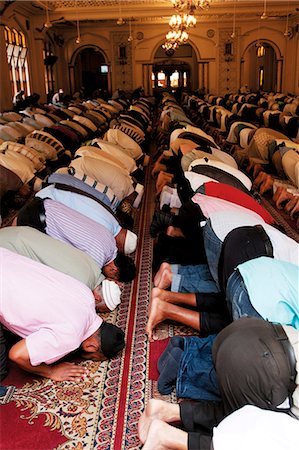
[(91, 71), (175, 69), (260, 67)]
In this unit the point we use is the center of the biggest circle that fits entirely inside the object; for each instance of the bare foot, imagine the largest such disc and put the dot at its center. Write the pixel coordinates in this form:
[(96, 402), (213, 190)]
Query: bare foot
[(162, 436), (158, 167), (257, 169), (295, 209), (250, 166), (282, 196), (162, 180), (266, 185), (259, 179), (158, 275), (156, 292), (292, 207), (174, 231), (166, 279), (277, 193), (254, 167), (156, 409), (156, 316)]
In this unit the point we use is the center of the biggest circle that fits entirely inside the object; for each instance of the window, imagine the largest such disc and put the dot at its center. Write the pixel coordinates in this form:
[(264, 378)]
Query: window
[(153, 80), (174, 79), (261, 77), (161, 79), (16, 50), (104, 68), (49, 61)]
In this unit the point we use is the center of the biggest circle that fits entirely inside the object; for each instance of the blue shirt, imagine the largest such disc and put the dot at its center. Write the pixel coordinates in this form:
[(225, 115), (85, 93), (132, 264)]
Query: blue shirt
[(272, 287), (84, 205)]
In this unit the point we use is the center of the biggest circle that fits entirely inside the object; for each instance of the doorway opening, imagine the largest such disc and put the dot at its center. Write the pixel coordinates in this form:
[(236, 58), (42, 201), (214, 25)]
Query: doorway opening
[(91, 72), (262, 61)]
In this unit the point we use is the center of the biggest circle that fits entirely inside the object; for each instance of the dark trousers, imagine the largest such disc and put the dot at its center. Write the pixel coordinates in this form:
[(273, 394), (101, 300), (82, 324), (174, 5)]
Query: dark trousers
[(252, 367)]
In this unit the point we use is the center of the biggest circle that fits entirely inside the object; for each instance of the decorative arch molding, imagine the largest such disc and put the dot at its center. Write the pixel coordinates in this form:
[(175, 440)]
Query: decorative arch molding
[(160, 42), (169, 63), (77, 74), (275, 47), (276, 66), (84, 47)]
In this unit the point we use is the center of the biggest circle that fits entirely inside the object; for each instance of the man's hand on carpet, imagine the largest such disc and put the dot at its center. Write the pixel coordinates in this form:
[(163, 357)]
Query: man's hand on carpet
[(68, 372)]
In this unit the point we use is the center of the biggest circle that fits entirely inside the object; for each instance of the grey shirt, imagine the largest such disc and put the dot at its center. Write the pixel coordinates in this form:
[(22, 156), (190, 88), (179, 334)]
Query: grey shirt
[(65, 258)]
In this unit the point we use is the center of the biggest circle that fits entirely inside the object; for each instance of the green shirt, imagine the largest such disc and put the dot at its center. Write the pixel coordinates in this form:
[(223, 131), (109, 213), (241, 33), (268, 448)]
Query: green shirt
[(65, 258)]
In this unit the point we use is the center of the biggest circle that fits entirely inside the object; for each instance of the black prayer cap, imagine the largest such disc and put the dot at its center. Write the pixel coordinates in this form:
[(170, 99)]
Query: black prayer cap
[(112, 339)]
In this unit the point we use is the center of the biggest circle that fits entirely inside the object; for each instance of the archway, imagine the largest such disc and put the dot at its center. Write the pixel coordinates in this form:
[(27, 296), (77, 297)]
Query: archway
[(260, 67), (91, 71), (174, 70)]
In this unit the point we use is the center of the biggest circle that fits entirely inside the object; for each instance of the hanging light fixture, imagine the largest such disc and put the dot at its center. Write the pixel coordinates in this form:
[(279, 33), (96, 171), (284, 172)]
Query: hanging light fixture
[(264, 15), (78, 39), (185, 4), (260, 49), (47, 23), (130, 38), (187, 20), (233, 35), (120, 20), (181, 22), (287, 32)]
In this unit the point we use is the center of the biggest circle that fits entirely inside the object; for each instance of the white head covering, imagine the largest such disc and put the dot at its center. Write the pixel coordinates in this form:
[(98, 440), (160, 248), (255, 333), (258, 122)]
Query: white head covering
[(254, 428), (130, 242), (111, 294)]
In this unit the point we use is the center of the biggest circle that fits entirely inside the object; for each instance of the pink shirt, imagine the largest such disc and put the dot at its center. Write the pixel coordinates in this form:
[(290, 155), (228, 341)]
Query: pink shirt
[(54, 312)]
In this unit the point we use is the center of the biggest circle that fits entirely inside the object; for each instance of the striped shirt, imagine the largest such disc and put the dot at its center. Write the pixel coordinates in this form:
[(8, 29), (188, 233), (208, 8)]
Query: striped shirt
[(70, 226), (84, 205), (89, 185)]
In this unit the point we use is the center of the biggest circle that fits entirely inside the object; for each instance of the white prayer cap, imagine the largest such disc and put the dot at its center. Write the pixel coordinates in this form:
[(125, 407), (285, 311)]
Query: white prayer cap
[(111, 294), (130, 242)]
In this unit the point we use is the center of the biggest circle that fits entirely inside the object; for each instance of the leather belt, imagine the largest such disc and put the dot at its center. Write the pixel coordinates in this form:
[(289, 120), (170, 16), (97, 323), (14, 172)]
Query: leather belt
[(42, 215), (282, 337), (266, 240)]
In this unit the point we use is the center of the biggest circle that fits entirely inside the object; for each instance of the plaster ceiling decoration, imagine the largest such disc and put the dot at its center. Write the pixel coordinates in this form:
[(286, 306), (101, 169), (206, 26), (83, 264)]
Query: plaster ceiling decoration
[(160, 11)]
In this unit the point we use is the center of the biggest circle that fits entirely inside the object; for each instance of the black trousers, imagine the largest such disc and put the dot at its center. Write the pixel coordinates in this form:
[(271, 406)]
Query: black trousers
[(33, 215), (252, 368)]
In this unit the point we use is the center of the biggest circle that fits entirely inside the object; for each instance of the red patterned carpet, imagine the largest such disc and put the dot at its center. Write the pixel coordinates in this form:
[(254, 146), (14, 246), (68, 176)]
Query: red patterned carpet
[(102, 411)]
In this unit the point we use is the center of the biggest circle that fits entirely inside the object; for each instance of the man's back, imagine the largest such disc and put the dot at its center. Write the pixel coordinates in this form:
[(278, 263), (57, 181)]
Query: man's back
[(54, 312)]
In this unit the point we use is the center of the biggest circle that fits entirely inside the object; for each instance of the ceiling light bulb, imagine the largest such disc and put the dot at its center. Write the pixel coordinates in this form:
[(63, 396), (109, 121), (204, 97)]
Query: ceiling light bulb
[(233, 35), (120, 21), (48, 24), (264, 16), (78, 40), (130, 38)]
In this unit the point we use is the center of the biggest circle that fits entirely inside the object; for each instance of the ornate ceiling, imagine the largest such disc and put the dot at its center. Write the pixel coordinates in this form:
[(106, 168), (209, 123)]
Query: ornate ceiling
[(159, 11)]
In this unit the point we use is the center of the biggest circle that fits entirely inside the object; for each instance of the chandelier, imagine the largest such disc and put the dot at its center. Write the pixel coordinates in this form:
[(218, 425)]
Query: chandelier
[(181, 22), (187, 4), (184, 20)]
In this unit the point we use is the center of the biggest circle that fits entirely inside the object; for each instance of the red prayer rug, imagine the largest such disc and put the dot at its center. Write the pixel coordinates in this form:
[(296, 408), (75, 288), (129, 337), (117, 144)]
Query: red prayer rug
[(102, 411)]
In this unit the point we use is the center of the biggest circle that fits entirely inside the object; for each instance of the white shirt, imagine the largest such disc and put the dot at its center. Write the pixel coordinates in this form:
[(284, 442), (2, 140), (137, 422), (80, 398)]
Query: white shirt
[(252, 428)]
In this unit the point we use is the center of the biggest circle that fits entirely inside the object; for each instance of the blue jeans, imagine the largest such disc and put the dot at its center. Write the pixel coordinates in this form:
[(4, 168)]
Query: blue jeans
[(195, 278), (213, 246), (237, 298), (197, 378)]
